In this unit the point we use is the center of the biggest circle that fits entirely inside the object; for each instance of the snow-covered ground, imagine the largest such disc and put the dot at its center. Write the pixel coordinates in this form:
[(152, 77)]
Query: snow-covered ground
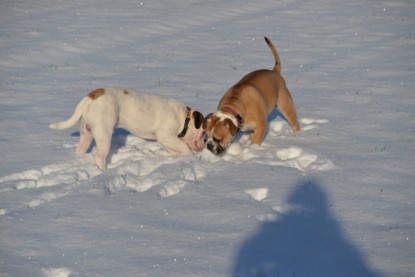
[(336, 199)]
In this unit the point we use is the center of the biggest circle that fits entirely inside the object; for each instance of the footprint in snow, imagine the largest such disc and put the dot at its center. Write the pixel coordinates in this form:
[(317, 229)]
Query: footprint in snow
[(278, 127), (138, 166), (170, 174), (311, 123), (50, 183)]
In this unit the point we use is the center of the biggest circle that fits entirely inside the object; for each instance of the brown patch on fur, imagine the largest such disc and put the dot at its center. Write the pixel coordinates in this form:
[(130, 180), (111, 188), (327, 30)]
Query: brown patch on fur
[(96, 93), (125, 92)]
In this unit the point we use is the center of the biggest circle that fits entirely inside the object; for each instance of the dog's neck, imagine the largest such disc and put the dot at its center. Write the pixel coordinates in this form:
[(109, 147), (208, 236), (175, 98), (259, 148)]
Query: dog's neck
[(186, 123)]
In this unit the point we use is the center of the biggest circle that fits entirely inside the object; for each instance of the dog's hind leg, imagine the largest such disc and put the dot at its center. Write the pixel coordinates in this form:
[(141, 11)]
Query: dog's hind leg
[(102, 138), (286, 107), (85, 138)]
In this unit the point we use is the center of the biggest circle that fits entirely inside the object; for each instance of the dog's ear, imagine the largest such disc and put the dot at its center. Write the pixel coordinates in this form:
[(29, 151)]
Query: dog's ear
[(231, 126), (207, 120), (198, 118)]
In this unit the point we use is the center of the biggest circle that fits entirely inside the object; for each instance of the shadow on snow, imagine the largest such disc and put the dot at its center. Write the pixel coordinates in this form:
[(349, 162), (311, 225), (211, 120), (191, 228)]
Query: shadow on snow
[(307, 241)]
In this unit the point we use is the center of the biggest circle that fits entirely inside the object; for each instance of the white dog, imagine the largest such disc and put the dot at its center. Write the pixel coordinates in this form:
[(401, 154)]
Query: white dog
[(178, 128)]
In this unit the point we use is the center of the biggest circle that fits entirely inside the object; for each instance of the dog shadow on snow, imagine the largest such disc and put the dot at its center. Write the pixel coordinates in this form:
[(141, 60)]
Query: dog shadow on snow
[(307, 241), (274, 115), (120, 135)]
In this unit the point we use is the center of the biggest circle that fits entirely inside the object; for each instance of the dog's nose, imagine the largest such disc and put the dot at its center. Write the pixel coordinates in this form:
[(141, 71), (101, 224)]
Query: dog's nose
[(210, 146), (215, 149)]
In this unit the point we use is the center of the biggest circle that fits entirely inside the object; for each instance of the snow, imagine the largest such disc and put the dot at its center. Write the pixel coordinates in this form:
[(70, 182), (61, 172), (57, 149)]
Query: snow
[(336, 199)]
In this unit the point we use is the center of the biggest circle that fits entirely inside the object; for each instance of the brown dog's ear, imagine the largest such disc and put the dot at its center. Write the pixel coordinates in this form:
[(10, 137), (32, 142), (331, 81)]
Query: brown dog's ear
[(231, 126), (206, 120), (208, 116), (198, 118)]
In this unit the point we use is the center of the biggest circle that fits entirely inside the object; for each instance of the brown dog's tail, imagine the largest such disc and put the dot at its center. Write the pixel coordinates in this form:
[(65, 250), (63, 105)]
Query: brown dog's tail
[(277, 66)]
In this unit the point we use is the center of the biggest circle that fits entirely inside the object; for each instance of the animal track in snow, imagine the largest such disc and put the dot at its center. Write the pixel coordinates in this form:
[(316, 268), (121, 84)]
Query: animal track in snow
[(138, 165), (310, 123)]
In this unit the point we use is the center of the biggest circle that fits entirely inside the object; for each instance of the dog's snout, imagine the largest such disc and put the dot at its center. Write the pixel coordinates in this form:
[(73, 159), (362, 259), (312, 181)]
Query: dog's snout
[(215, 149)]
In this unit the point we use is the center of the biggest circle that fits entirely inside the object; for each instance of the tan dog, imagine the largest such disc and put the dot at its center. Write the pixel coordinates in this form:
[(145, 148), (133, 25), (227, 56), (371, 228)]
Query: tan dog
[(246, 105), (177, 128)]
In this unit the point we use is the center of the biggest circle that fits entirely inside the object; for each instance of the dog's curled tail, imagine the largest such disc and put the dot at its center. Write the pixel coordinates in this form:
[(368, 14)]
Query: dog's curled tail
[(79, 110), (277, 66)]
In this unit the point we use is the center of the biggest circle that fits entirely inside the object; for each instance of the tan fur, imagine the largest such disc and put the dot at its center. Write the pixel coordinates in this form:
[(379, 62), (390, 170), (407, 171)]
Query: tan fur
[(253, 98)]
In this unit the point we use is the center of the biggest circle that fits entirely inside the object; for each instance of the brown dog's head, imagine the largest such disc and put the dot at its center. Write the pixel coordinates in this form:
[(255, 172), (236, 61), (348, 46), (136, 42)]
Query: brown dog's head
[(221, 130)]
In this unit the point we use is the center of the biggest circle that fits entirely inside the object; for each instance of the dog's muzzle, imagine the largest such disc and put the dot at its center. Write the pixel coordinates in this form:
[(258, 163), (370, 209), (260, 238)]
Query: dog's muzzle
[(215, 148)]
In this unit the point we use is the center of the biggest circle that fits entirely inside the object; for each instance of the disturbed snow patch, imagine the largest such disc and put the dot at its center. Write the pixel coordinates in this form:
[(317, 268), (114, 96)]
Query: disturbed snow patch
[(139, 165), (258, 194), (292, 156)]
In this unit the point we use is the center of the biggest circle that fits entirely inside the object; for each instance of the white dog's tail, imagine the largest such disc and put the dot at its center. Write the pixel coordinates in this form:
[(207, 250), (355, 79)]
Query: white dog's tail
[(79, 110), (277, 66)]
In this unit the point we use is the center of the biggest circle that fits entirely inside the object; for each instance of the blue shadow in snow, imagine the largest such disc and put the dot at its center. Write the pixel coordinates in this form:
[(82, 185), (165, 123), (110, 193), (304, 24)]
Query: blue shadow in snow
[(118, 133), (307, 241)]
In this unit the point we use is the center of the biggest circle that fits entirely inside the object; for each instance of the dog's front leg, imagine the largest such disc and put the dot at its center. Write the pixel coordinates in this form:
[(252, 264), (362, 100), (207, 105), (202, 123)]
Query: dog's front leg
[(259, 133)]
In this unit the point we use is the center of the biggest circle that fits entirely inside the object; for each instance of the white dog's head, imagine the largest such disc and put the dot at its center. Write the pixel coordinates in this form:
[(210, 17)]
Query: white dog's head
[(194, 131)]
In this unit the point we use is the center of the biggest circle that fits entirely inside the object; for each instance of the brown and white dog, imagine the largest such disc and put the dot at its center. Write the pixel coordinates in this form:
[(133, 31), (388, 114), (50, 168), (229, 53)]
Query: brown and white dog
[(246, 105), (177, 128)]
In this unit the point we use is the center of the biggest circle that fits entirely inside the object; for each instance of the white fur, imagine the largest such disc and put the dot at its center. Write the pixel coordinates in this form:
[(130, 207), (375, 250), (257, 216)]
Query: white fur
[(224, 116), (147, 116)]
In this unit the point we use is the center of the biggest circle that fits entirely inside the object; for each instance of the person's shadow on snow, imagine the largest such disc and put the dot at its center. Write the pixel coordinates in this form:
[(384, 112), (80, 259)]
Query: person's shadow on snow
[(306, 241)]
